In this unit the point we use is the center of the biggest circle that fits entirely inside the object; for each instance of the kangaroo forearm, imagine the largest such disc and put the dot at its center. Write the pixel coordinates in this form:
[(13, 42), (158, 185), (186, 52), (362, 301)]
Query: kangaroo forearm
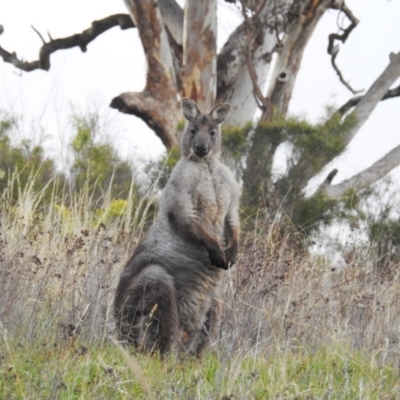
[(231, 234), (192, 229)]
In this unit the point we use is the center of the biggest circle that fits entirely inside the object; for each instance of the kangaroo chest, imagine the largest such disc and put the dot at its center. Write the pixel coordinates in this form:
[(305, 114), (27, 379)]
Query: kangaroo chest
[(211, 197)]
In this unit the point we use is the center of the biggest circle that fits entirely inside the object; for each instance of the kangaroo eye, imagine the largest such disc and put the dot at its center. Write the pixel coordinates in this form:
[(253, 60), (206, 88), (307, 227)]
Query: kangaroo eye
[(193, 131), (213, 133)]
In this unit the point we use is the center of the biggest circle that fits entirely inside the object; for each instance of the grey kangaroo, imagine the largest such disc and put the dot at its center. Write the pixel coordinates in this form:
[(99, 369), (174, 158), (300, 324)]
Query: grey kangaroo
[(168, 290)]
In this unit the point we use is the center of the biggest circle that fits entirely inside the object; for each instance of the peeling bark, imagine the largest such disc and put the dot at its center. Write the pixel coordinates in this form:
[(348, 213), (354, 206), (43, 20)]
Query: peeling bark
[(199, 78), (157, 105), (160, 116)]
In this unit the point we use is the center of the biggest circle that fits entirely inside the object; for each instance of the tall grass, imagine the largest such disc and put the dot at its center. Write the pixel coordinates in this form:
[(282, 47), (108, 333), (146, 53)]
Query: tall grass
[(59, 263), (292, 325)]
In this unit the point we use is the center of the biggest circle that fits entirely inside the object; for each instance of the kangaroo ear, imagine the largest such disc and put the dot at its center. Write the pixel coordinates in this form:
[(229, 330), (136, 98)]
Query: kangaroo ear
[(189, 109), (220, 112)]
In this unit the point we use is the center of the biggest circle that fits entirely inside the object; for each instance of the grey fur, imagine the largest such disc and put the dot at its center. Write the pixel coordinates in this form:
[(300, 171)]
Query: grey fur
[(168, 290)]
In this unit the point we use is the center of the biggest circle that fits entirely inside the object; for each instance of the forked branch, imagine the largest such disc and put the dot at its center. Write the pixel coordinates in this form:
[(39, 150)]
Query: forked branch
[(80, 40)]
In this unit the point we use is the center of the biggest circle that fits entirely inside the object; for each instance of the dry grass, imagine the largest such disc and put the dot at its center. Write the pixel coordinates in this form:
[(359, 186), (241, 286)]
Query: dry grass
[(59, 265), (290, 321), (277, 296)]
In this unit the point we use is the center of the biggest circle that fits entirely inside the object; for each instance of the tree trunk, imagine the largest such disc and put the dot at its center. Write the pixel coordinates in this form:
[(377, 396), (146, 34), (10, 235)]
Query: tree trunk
[(199, 78), (302, 24), (157, 105), (303, 21)]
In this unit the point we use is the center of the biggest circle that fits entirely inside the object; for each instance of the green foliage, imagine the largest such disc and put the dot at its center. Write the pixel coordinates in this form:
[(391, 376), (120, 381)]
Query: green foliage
[(181, 125), (309, 213), (21, 162), (321, 142), (313, 145), (235, 146), (97, 166)]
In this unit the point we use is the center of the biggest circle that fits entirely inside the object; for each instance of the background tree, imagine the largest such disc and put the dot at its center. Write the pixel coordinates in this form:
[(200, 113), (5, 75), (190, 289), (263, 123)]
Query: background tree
[(24, 165), (182, 60), (97, 166)]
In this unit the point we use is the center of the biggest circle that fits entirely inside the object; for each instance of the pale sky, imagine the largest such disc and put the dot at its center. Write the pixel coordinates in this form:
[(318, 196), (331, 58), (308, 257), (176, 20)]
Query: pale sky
[(114, 63)]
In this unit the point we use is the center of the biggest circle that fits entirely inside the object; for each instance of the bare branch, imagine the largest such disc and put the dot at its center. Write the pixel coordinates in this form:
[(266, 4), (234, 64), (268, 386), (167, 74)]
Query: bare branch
[(78, 40), (333, 50), (250, 66), (330, 176), (367, 103), (161, 116), (391, 93), (39, 34), (365, 178)]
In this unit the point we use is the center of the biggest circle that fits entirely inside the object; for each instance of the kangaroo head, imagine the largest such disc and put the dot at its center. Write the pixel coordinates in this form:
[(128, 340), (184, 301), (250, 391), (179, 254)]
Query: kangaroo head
[(202, 135)]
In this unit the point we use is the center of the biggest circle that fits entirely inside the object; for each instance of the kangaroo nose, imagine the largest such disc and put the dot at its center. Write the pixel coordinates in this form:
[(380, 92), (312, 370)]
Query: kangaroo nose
[(201, 149)]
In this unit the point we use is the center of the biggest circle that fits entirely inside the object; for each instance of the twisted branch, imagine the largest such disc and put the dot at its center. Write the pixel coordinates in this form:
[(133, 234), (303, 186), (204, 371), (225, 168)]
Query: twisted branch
[(78, 40), (333, 50)]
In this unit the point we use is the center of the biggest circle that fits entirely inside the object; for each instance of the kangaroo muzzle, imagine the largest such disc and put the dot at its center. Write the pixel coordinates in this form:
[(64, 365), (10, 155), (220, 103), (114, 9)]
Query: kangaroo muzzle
[(201, 150)]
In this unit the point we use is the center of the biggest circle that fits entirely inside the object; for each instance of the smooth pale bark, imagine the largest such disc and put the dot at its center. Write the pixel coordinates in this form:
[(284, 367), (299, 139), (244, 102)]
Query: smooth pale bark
[(240, 93), (235, 85), (375, 94), (365, 178), (364, 105), (199, 78), (172, 15)]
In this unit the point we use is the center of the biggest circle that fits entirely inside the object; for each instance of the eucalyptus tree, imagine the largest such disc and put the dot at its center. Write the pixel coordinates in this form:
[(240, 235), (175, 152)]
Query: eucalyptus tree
[(180, 46)]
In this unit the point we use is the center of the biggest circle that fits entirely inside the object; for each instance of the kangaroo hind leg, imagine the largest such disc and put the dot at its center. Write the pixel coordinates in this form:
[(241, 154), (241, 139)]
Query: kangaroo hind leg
[(148, 316)]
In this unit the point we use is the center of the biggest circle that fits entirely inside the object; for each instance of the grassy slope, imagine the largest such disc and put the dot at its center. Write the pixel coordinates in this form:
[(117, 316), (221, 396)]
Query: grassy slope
[(292, 326), (41, 371)]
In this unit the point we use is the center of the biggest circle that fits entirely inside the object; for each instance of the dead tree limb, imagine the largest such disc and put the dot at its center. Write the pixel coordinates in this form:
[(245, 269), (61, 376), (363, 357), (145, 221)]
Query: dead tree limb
[(333, 50), (367, 103), (390, 94), (80, 40), (363, 179)]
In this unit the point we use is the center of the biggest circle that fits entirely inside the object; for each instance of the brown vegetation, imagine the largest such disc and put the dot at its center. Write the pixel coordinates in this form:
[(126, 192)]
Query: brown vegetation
[(59, 271)]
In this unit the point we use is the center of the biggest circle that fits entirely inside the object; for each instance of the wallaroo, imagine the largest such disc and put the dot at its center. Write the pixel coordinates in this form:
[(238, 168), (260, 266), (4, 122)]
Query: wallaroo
[(167, 295)]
